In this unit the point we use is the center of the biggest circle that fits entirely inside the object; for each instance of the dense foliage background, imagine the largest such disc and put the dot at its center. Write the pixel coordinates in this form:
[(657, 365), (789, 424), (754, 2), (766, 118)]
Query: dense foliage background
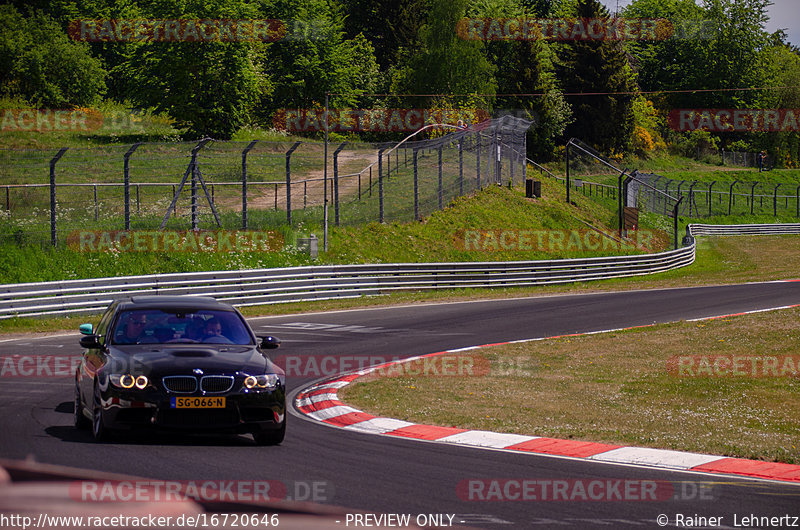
[(615, 95)]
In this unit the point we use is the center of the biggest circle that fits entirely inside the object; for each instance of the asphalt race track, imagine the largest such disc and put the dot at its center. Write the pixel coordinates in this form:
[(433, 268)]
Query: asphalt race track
[(392, 475)]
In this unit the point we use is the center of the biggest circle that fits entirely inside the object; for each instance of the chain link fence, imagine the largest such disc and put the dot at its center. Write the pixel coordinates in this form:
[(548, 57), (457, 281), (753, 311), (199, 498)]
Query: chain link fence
[(46, 194)]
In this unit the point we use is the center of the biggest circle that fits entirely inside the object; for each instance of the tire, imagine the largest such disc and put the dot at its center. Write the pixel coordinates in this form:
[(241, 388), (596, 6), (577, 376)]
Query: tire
[(80, 421), (270, 436), (100, 432)]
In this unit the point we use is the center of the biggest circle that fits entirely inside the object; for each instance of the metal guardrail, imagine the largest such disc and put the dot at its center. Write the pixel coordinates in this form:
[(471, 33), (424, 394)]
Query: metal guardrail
[(296, 284)]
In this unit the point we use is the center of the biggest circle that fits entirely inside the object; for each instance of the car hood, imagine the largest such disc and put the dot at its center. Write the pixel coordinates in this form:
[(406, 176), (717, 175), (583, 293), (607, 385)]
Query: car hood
[(163, 359)]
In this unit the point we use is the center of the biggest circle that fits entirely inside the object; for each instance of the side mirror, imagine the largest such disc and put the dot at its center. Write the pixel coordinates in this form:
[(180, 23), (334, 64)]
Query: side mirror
[(86, 329), (269, 342), (91, 342)]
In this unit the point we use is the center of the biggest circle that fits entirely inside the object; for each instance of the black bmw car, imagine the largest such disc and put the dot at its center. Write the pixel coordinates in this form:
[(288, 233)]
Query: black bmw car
[(182, 363)]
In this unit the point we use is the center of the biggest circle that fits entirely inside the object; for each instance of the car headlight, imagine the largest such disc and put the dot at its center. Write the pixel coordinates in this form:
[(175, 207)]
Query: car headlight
[(261, 382), (128, 381)]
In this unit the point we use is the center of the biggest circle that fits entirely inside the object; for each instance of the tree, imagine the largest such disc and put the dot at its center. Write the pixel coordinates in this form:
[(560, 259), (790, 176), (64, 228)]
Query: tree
[(315, 58), (717, 46), (39, 63), (392, 26), (210, 87), (601, 67), (446, 64), (528, 69)]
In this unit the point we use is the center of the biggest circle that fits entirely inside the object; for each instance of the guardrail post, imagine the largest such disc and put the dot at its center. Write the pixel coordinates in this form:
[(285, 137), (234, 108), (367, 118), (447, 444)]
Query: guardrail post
[(775, 201), (244, 182), (416, 188), (289, 184), (336, 182), (380, 184), (53, 161), (127, 184), (441, 189), (730, 196), (752, 196)]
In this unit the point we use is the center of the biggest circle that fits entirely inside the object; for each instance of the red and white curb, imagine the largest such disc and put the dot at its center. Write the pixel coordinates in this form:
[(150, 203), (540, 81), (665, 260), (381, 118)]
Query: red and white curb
[(320, 402)]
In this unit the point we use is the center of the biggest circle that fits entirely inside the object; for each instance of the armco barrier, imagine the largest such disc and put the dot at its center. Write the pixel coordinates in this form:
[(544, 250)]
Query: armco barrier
[(295, 284)]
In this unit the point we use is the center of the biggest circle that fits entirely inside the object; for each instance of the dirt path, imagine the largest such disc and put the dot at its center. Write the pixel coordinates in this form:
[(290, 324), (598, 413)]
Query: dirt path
[(308, 188)]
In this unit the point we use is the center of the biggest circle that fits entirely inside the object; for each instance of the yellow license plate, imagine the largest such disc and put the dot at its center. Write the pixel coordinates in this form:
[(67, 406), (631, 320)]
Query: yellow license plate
[(198, 403)]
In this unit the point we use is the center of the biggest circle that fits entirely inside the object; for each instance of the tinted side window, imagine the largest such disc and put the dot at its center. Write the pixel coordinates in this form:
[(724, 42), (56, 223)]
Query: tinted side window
[(105, 321)]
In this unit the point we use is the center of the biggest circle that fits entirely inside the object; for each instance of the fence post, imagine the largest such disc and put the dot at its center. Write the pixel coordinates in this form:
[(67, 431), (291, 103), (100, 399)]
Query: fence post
[(797, 192), (752, 197), (336, 182), (244, 182), (730, 196), (478, 158), (675, 219), (127, 184), (380, 184), (8, 201), (566, 155), (621, 201), (53, 161), (709, 196), (190, 169), (96, 212), (288, 184), (416, 188), (194, 196), (691, 198), (775, 201), (461, 166), (441, 187)]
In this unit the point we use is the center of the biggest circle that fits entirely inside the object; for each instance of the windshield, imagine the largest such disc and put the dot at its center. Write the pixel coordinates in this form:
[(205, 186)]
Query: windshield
[(155, 326)]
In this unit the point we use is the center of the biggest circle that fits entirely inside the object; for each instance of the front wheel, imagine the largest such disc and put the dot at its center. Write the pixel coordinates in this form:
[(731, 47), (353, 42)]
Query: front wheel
[(270, 436), (100, 432), (80, 421)]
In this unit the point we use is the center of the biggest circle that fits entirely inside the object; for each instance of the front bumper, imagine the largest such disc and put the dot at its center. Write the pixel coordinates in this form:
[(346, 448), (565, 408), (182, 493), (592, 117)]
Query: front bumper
[(243, 413)]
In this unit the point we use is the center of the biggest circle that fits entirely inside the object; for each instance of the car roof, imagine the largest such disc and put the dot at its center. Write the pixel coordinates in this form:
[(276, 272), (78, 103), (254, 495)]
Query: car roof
[(173, 302)]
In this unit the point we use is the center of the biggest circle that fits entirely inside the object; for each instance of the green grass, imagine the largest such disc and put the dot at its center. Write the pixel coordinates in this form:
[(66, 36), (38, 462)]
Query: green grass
[(619, 388)]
